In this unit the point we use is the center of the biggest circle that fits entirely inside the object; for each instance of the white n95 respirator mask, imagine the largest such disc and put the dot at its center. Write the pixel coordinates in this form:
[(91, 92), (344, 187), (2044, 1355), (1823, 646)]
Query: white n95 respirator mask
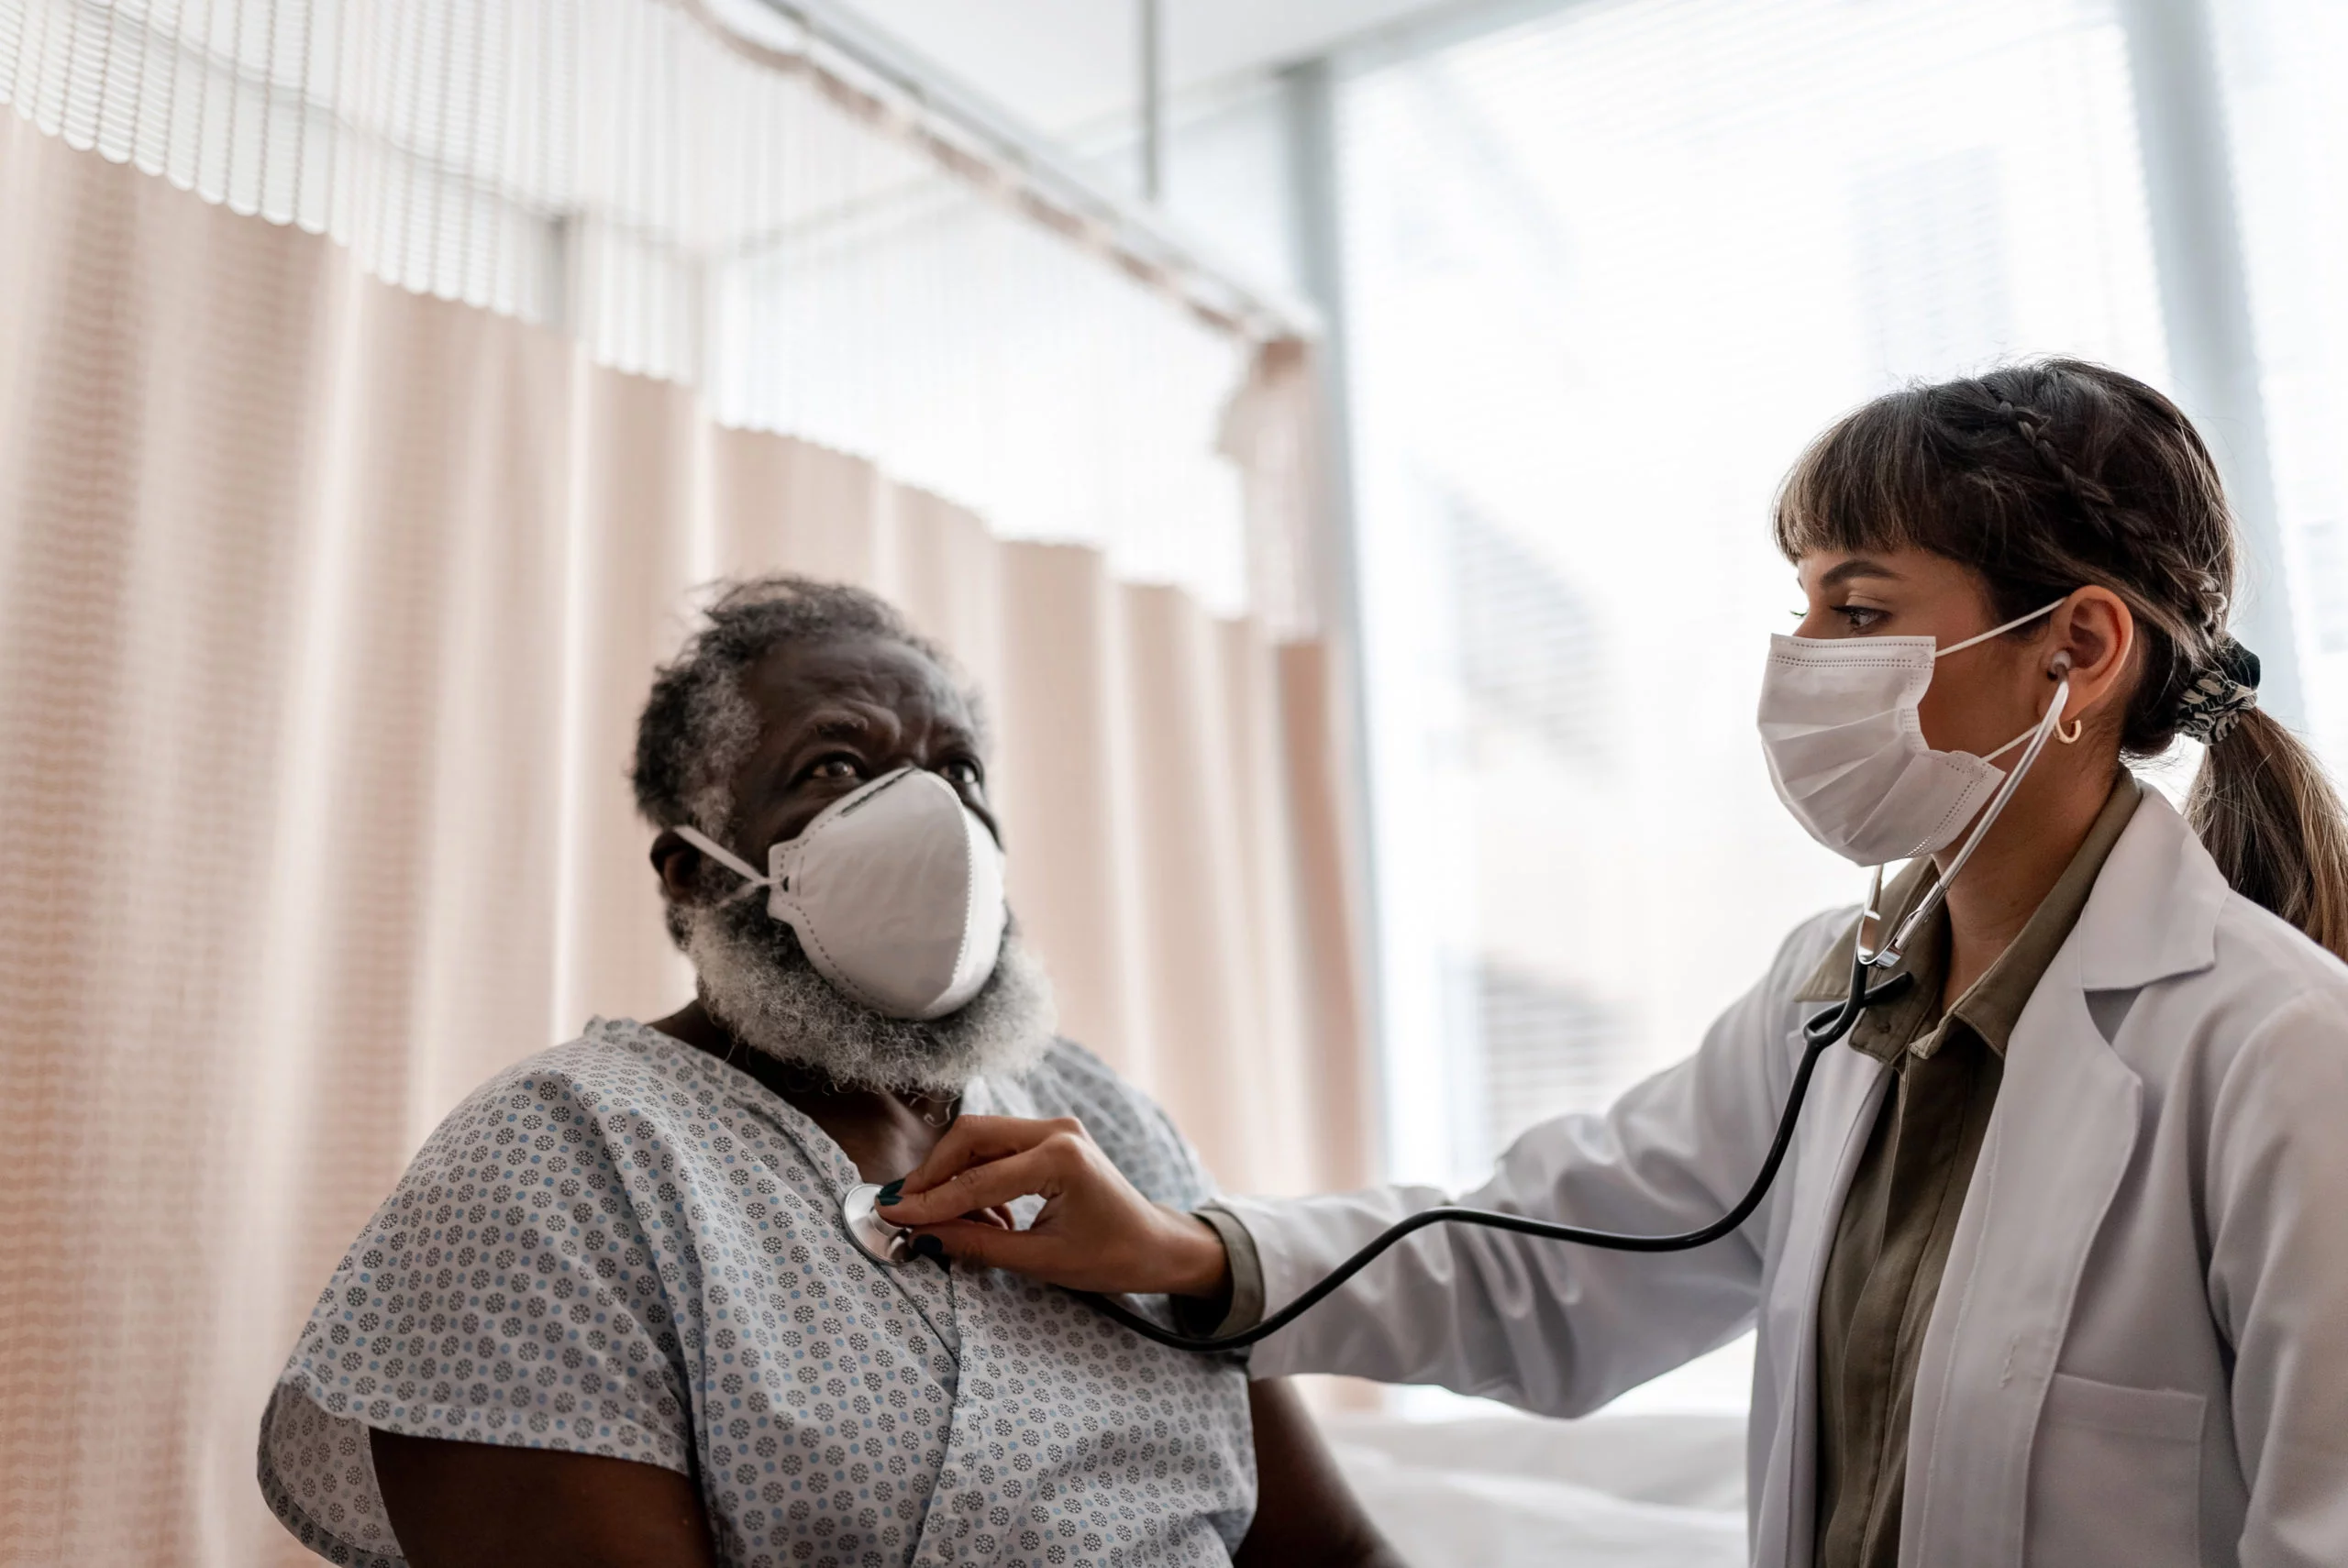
[(896, 891), (1846, 751)]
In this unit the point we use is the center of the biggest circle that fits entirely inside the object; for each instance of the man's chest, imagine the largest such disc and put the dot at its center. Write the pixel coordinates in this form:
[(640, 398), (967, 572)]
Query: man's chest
[(915, 1415)]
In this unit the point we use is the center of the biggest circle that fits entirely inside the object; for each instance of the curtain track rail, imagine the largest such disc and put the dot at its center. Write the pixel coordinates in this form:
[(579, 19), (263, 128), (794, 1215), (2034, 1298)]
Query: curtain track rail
[(867, 70)]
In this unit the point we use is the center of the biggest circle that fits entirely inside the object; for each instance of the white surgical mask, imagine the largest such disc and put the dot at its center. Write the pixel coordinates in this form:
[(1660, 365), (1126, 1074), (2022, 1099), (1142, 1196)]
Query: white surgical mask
[(1846, 751), (896, 891)]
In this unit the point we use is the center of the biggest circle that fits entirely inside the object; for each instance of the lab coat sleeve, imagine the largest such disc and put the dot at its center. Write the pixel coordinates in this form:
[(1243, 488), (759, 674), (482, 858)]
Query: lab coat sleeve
[(2278, 1277), (1545, 1325)]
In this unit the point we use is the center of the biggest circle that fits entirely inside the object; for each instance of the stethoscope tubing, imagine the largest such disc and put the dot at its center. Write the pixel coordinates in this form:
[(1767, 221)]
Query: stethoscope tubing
[(1820, 1031)]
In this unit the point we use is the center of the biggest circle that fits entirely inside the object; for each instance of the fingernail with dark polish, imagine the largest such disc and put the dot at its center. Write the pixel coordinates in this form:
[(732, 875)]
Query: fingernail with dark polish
[(890, 1194)]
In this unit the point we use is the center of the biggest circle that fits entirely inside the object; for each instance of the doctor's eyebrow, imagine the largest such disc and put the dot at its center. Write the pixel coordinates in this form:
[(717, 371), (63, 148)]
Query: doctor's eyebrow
[(1852, 570)]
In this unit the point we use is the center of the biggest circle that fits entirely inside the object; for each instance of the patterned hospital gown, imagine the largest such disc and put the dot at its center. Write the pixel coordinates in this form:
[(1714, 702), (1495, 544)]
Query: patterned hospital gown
[(623, 1246)]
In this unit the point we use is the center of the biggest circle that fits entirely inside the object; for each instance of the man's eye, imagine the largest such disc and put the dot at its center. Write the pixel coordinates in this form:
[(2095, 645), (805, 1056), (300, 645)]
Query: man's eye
[(835, 768), (961, 770)]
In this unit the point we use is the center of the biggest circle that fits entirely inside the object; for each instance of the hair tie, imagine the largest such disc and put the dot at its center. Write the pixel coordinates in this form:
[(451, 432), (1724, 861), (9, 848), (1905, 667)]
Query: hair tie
[(2220, 693)]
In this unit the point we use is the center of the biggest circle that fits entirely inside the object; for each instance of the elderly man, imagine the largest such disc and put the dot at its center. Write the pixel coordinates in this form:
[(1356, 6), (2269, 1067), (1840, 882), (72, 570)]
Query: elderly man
[(610, 1315)]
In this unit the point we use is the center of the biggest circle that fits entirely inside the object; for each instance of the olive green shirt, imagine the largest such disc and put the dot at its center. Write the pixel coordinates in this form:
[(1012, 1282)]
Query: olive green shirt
[(1891, 1241)]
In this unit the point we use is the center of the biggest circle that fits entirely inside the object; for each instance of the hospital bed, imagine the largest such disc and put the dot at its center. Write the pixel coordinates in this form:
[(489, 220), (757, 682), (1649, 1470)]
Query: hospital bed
[(1501, 1491)]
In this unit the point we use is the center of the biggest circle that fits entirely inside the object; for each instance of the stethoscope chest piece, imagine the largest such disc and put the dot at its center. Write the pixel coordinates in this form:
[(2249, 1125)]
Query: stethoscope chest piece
[(891, 1246)]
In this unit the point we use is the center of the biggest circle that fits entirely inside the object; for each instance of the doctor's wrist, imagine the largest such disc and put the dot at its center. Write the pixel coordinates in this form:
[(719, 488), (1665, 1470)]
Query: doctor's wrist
[(1193, 1253)]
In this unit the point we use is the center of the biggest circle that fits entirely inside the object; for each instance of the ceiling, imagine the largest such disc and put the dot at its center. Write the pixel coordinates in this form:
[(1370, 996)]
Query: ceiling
[(1063, 65)]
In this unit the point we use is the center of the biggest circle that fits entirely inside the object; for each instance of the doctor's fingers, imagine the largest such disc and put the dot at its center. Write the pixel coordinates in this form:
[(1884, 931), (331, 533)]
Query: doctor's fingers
[(1039, 1255), (1148, 1250), (1076, 1181), (1057, 1253), (987, 1159)]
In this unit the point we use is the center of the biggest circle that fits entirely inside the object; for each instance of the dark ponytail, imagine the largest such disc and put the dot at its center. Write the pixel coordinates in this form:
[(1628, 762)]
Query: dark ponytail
[(2268, 816), (2046, 476)]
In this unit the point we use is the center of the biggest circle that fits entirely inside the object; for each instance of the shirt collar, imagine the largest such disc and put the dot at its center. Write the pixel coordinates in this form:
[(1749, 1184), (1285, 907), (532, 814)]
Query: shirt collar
[(1995, 1000), (1884, 1029)]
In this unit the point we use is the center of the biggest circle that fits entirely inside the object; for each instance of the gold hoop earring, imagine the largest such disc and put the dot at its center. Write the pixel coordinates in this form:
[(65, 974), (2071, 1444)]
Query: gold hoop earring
[(2069, 735)]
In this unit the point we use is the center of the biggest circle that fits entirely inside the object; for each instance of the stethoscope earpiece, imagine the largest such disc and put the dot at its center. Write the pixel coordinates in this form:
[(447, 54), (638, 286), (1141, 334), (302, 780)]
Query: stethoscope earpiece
[(2059, 668)]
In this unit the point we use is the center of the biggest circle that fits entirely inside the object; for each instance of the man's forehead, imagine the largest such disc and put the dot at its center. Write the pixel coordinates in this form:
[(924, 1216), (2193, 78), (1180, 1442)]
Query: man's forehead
[(794, 680)]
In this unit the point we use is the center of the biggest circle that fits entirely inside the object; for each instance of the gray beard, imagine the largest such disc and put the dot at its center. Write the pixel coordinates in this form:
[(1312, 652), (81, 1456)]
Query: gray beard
[(757, 980)]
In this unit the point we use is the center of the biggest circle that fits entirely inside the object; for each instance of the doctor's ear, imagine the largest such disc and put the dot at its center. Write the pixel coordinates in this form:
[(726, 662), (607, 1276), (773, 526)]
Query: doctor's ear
[(2094, 645)]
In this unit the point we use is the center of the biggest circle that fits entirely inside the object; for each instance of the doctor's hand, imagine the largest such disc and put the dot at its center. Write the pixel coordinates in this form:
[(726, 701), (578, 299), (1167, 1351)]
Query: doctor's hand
[(1096, 1232)]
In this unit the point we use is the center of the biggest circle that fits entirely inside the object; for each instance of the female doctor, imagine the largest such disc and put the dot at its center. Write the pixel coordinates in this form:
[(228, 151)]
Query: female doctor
[(2056, 1272)]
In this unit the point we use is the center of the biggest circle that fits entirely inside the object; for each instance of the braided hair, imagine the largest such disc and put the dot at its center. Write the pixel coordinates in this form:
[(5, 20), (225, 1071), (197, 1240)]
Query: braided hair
[(2031, 425), (2048, 476), (2223, 687)]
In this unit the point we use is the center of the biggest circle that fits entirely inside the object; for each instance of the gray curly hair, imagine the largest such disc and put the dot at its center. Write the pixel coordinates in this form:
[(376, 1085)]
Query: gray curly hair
[(697, 724)]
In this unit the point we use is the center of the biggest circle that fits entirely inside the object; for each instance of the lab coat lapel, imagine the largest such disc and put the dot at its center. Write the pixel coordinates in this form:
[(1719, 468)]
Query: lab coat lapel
[(1844, 1099), (2058, 1146)]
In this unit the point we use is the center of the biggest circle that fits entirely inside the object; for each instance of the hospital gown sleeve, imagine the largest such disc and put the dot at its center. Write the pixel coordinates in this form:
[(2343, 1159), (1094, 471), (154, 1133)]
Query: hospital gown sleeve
[(1548, 1327), (2278, 1278), (509, 1291)]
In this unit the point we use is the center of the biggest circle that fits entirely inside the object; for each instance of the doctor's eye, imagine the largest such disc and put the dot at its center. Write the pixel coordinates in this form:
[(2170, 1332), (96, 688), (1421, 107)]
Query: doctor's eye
[(961, 772), (1859, 617)]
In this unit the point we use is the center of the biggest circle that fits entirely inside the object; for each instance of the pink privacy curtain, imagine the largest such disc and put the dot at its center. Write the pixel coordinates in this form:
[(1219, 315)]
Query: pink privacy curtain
[(325, 611)]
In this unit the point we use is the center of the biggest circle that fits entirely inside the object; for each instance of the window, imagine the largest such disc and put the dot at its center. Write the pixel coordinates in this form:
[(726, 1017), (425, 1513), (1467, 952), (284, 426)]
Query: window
[(2281, 62), (1605, 273)]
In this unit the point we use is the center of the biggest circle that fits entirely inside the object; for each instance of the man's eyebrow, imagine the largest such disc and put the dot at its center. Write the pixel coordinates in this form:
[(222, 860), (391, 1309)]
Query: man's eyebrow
[(837, 724), (1850, 570)]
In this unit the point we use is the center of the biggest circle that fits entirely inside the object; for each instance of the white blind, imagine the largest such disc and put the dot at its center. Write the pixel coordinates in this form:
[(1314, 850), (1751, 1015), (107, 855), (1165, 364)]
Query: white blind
[(690, 211), (2282, 62), (1607, 273)]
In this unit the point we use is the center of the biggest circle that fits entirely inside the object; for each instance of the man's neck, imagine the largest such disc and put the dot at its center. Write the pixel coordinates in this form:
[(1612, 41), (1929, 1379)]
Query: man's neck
[(885, 1133), (2019, 861)]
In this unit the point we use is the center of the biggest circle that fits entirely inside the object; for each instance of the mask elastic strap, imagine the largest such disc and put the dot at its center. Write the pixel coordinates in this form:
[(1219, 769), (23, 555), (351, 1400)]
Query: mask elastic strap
[(1992, 757), (722, 855), (2037, 735), (2000, 631)]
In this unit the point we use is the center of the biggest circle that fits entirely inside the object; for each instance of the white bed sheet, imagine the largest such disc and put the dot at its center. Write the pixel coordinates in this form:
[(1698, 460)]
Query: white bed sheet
[(1612, 1491)]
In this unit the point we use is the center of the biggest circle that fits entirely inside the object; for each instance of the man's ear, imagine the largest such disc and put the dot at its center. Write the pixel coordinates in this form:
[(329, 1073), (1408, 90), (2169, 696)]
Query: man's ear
[(677, 863)]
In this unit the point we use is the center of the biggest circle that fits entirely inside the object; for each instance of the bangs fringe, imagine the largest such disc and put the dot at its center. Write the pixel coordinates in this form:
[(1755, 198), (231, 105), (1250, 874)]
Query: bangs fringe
[(1863, 485)]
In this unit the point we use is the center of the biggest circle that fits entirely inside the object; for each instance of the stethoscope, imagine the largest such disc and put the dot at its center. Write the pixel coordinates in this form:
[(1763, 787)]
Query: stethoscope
[(891, 1245)]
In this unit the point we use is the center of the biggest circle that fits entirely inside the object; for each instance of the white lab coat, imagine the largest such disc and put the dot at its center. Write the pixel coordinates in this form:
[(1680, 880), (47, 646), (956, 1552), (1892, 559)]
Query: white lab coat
[(2139, 1355)]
